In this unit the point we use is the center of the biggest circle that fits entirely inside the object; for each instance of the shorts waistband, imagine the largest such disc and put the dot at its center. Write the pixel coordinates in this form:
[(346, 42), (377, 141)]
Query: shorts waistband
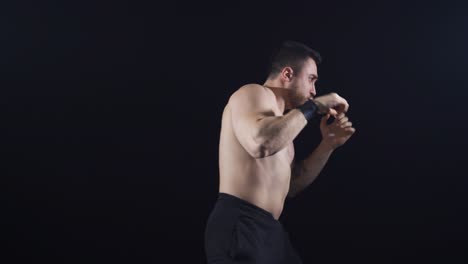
[(245, 204)]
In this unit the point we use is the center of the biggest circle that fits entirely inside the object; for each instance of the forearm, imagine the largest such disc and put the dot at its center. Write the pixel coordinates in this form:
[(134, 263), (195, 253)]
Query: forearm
[(307, 170), (277, 132)]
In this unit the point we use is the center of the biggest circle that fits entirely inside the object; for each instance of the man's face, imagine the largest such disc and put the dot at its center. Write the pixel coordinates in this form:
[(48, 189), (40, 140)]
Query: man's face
[(303, 83)]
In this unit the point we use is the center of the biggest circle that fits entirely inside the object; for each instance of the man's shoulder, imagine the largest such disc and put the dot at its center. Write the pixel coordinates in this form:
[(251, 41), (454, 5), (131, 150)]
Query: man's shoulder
[(252, 96), (251, 89)]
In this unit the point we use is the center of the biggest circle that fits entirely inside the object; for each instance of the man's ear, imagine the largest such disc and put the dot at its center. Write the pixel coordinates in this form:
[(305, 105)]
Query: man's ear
[(287, 74)]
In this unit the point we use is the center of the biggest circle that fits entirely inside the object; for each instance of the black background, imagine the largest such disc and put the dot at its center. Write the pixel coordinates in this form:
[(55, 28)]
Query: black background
[(110, 121)]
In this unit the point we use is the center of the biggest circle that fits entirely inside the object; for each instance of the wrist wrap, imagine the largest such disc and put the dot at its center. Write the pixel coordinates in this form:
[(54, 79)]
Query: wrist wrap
[(309, 109)]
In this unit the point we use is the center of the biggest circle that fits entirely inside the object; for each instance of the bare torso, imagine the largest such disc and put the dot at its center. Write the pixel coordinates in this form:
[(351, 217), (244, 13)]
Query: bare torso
[(263, 182)]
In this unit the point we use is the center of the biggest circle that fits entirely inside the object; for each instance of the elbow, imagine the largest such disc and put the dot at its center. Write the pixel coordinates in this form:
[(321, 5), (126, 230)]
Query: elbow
[(293, 190), (261, 149), (292, 193)]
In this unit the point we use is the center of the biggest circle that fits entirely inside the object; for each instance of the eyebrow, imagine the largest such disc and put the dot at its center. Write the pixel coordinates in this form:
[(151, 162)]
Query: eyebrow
[(313, 75)]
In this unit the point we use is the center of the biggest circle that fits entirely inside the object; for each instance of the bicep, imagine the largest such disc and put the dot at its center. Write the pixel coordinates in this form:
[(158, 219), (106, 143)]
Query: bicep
[(249, 105)]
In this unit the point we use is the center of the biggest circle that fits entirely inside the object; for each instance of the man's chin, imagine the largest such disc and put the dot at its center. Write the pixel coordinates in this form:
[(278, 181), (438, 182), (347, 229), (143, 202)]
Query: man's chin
[(305, 100), (297, 103)]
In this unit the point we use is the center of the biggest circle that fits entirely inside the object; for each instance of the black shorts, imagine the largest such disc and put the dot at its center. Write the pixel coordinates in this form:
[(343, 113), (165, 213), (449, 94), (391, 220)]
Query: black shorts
[(240, 232)]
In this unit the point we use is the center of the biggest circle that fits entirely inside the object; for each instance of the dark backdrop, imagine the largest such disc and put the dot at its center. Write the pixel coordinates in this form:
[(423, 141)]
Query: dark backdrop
[(110, 121)]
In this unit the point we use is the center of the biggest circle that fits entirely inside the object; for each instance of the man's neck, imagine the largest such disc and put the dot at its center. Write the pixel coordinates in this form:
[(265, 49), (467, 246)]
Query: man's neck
[(279, 94)]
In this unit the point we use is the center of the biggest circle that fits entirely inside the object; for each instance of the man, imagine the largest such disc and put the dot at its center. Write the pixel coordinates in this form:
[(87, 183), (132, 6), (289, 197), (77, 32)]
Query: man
[(256, 158)]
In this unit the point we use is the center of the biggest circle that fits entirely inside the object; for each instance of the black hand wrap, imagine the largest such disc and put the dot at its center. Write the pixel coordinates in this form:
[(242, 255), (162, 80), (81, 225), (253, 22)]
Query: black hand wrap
[(309, 109)]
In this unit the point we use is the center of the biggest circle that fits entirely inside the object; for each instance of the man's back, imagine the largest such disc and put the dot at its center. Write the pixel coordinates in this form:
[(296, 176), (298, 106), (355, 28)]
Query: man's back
[(261, 181)]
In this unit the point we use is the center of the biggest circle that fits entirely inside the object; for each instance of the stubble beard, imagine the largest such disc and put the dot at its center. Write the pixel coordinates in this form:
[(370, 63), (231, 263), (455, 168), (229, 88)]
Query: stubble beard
[(296, 99)]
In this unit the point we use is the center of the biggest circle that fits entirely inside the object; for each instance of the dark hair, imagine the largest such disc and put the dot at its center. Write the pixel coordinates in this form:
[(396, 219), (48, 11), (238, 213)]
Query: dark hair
[(292, 54)]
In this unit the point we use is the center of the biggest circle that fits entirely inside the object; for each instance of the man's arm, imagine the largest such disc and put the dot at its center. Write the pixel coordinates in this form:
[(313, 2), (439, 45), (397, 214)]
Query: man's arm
[(304, 172), (334, 135), (255, 125)]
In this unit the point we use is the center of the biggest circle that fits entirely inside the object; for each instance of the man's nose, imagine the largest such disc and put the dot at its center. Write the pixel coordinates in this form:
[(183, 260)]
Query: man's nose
[(313, 92)]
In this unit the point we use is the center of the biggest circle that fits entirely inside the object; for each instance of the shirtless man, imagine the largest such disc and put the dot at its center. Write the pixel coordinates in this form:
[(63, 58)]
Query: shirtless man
[(256, 158)]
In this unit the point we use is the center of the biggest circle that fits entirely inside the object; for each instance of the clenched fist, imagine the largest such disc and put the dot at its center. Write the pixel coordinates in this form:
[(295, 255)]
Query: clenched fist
[(338, 132), (332, 104)]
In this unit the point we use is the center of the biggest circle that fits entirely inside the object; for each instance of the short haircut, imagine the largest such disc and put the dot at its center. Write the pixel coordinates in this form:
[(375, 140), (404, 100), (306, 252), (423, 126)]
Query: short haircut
[(291, 54)]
